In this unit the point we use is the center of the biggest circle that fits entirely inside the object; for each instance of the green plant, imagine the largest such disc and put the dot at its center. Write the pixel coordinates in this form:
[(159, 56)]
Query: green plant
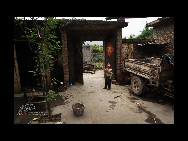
[(43, 41), (97, 48), (97, 59), (146, 33), (50, 95), (100, 59), (99, 65), (54, 82)]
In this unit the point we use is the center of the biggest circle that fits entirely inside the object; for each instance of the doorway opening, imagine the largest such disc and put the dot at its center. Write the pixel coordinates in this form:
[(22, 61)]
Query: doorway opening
[(93, 53), (93, 56)]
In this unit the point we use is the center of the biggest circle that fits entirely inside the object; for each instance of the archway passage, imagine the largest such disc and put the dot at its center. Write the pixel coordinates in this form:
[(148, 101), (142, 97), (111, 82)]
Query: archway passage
[(110, 32)]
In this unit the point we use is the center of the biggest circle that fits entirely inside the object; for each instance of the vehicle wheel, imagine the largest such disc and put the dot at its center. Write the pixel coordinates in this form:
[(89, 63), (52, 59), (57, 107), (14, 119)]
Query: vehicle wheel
[(137, 85)]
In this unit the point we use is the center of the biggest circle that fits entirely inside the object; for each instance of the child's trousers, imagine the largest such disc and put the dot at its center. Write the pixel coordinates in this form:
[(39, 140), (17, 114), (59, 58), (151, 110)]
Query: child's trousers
[(107, 82)]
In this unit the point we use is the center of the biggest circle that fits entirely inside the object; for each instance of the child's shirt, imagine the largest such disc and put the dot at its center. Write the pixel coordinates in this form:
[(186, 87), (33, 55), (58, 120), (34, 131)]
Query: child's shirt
[(108, 74)]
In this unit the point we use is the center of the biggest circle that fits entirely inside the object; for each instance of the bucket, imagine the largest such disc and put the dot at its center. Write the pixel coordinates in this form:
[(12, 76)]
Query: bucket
[(78, 109)]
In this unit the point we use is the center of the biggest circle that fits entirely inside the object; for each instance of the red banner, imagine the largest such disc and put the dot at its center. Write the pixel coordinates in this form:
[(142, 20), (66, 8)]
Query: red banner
[(109, 49)]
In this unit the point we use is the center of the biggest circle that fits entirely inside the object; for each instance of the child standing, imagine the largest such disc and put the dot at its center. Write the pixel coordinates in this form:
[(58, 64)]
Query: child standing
[(108, 76)]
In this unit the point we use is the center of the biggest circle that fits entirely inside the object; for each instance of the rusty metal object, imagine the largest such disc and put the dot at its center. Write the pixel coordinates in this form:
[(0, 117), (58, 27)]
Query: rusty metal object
[(78, 109)]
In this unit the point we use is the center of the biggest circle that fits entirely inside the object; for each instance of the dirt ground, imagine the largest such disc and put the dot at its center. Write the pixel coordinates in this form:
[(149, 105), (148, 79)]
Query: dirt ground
[(115, 106)]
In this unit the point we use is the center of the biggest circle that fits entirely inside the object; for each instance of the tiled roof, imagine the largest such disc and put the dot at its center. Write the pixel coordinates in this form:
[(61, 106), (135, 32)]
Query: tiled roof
[(160, 21), (98, 22)]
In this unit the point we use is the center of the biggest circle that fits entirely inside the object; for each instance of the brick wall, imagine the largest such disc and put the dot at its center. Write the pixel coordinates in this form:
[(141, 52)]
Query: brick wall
[(65, 57), (165, 34), (118, 53)]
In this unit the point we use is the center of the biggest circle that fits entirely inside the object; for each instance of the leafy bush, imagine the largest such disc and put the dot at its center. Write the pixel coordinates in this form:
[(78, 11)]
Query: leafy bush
[(97, 49), (50, 95), (99, 65), (97, 59)]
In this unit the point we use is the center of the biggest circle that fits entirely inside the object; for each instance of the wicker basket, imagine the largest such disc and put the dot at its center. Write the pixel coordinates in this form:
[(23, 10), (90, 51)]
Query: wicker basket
[(78, 109)]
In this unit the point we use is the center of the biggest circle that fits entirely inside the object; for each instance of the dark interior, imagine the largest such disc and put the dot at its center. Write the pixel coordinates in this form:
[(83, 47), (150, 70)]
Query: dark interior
[(25, 63)]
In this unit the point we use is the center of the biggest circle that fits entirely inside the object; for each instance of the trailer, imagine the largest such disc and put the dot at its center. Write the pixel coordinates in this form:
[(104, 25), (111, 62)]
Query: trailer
[(155, 72)]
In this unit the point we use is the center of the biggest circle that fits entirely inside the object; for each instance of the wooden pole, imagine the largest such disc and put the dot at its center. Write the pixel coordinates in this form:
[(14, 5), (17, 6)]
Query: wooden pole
[(17, 85)]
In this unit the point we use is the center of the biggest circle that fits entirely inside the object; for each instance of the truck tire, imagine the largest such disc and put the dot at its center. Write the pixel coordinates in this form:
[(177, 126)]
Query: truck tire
[(137, 85)]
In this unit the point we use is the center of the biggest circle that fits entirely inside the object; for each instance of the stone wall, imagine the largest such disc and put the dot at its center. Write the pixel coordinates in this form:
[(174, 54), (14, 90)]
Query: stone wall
[(87, 54)]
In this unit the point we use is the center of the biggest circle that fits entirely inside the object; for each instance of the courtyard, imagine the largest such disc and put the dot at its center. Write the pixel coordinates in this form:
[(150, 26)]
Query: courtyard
[(115, 106)]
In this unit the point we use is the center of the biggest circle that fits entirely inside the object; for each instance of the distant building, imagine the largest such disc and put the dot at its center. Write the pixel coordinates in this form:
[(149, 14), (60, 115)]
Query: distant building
[(87, 51)]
